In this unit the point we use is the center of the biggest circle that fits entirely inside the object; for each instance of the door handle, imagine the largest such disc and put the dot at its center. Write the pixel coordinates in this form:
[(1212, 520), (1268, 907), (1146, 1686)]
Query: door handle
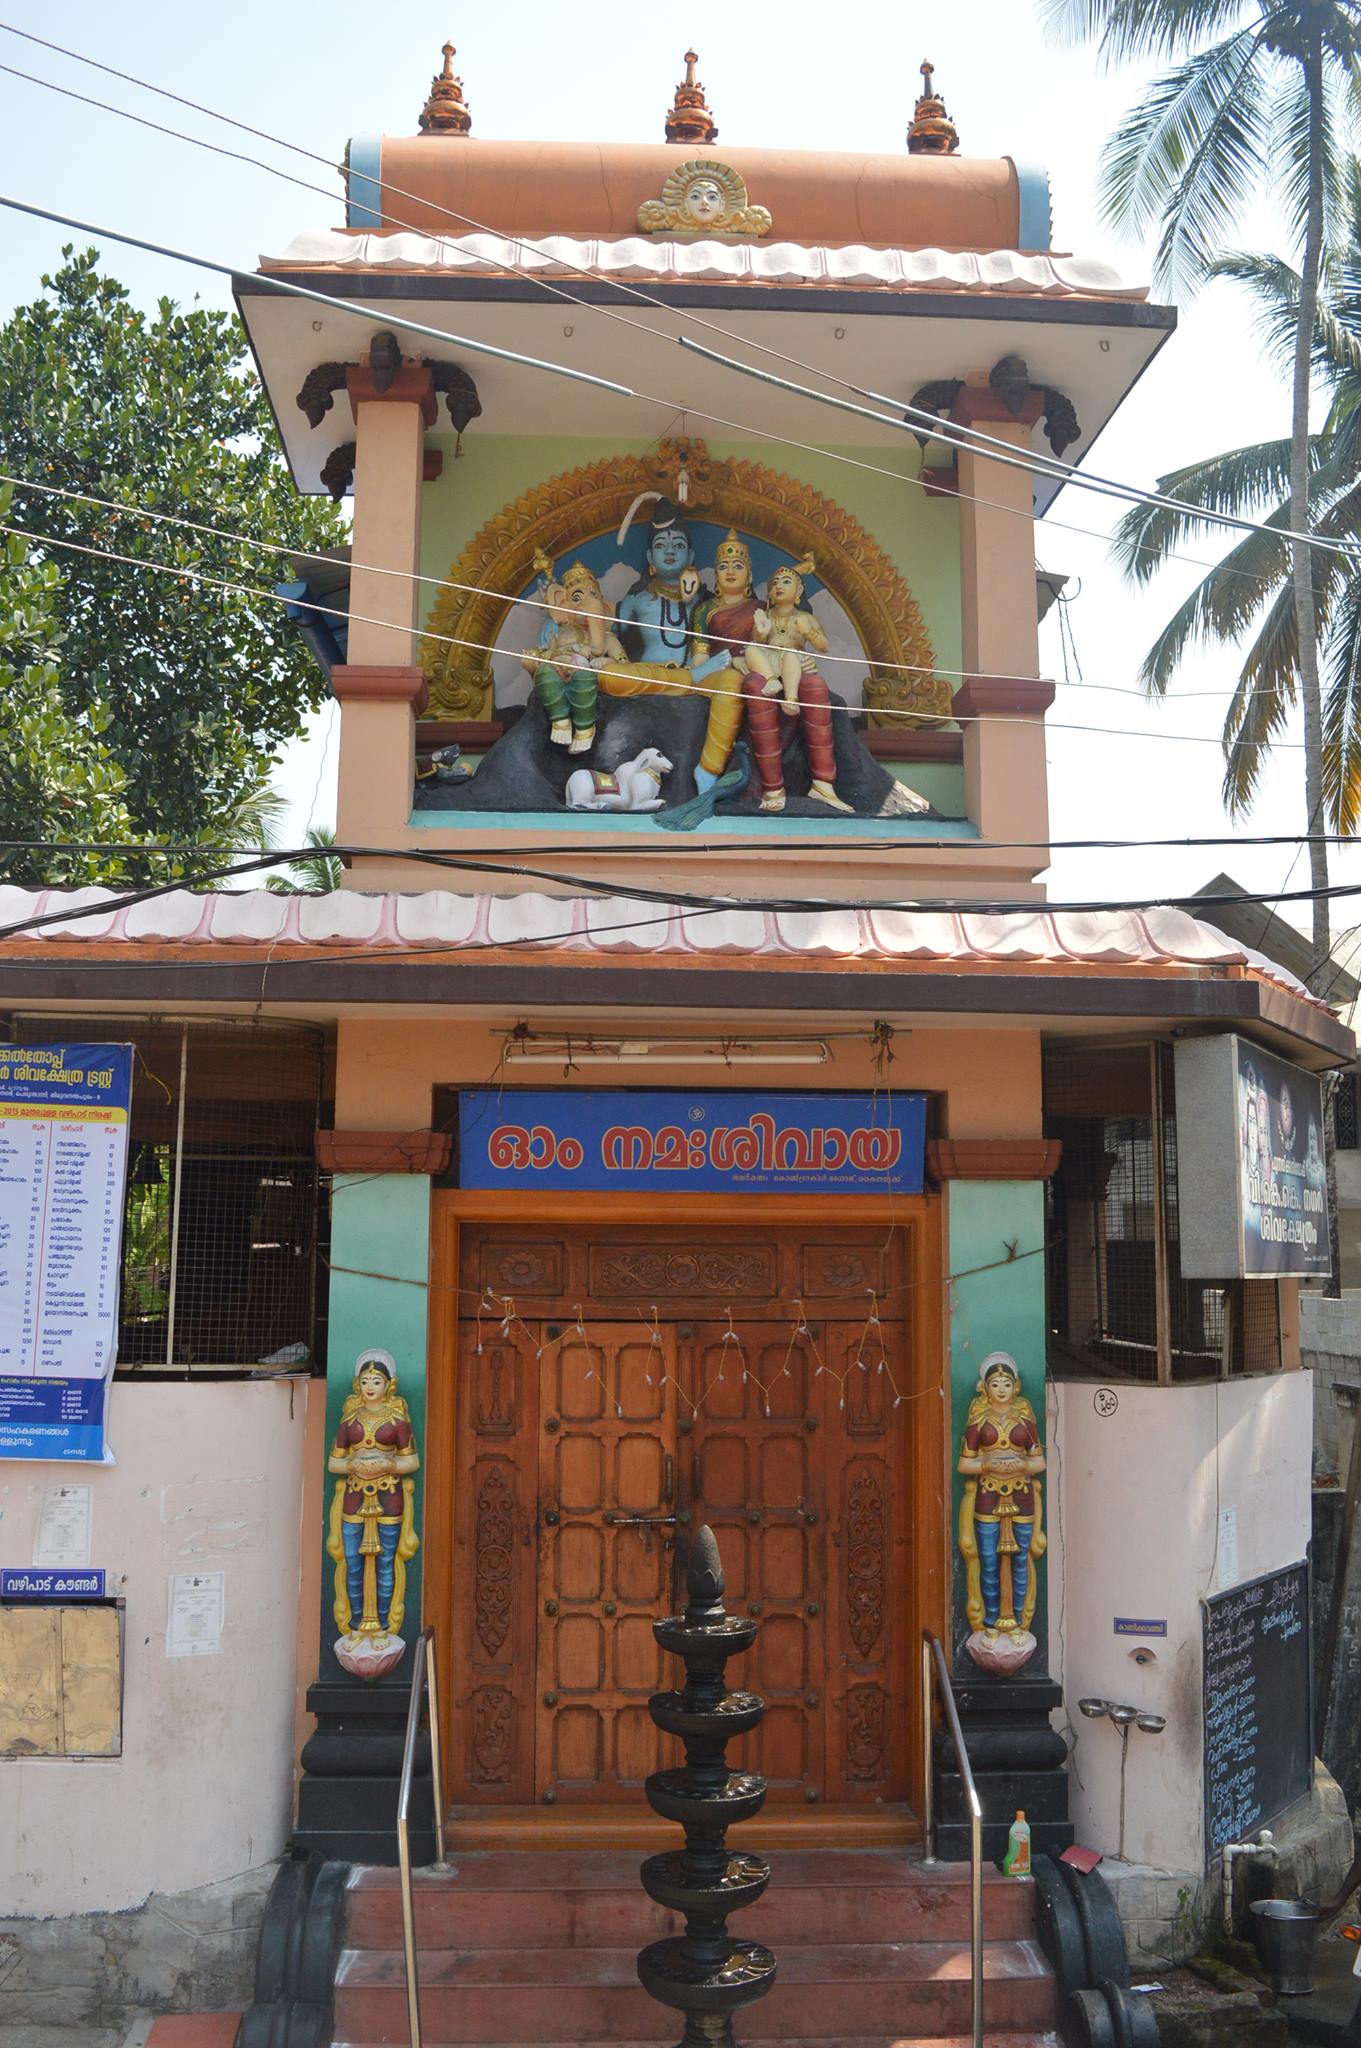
[(643, 1521), (668, 1478)]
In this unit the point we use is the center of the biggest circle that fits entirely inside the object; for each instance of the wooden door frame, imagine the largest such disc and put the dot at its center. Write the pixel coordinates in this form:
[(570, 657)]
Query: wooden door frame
[(922, 1216)]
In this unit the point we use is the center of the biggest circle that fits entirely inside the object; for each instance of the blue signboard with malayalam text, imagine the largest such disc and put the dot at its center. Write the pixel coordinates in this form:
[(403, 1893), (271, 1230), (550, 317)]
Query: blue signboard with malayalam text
[(637, 1140), (43, 1582), (63, 1164)]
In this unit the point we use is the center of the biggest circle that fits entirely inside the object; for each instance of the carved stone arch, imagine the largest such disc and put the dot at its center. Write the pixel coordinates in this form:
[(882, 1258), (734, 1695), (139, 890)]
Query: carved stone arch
[(566, 511)]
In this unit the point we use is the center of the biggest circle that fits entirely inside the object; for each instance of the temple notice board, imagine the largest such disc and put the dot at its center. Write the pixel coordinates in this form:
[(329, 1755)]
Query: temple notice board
[(1258, 1721)]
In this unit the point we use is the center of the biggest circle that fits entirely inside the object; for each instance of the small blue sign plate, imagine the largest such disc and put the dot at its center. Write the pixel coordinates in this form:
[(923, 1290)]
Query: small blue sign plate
[(41, 1583), (1133, 1625), (641, 1140)]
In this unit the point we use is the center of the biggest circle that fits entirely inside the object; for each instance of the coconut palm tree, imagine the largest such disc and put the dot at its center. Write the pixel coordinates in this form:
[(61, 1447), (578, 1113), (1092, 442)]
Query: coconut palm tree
[(1254, 90), (1251, 590), (316, 873)]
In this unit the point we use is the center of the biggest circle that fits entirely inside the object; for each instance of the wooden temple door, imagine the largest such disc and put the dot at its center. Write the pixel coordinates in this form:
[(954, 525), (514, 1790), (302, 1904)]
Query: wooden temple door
[(607, 1529), (590, 1439)]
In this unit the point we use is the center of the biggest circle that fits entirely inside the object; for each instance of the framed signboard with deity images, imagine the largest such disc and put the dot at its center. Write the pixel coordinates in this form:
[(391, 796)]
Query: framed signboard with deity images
[(1251, 1182)]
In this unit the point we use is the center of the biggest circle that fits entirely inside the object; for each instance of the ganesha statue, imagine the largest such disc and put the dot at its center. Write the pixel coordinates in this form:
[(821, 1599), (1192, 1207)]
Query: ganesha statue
[(1001, 1524), (372, 1532)]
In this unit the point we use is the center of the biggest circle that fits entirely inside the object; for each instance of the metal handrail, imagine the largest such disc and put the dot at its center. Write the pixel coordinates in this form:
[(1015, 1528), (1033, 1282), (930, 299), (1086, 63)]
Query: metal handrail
[(934, 1668), (424, 1684)]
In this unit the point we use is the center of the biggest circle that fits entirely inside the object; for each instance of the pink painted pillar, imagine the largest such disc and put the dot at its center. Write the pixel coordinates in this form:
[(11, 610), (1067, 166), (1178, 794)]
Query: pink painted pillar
[(381, 688), (1005, 782)]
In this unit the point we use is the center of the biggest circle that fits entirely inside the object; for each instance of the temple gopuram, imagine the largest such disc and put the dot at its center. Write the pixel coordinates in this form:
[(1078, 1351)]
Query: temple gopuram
[(699, 1116)]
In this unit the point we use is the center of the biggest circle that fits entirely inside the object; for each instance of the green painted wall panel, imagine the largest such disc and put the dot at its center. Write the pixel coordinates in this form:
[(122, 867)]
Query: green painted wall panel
[(919, 534), (997, 1309), (380, 1225)]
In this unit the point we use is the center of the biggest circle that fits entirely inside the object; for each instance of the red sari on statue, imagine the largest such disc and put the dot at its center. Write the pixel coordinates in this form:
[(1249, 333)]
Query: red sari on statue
[(732, 627)]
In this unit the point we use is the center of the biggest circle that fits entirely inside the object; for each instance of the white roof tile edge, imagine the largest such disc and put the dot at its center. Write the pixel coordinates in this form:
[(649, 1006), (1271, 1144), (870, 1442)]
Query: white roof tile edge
[(983, 270), (442, 918)]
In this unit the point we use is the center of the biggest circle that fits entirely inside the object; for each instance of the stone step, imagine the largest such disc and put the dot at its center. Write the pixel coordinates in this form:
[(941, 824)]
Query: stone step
[(825, 1992), (1025, 2039), (593, 1899)]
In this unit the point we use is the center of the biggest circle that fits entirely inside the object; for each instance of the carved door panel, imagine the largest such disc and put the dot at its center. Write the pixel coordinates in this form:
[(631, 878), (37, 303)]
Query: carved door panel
[(756, 1475), (865, 1443), (799, 1464), (607, 1497), (492, 1746)]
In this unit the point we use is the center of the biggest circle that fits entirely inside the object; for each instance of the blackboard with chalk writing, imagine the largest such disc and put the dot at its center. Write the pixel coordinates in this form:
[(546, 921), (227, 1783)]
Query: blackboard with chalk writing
[(1258, 1720)]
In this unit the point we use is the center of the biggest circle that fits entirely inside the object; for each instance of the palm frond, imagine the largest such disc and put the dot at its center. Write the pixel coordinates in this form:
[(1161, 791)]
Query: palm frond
[(1156, 162), (1275, 286), (1124, 29), (1221, 607), (1267, 687), (1240, 482), (1292, 144), (1342, 713)]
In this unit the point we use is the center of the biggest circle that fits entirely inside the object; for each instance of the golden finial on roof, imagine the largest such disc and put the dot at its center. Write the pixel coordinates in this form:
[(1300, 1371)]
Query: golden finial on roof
[(931, 132), (446, 110), (689, 120)]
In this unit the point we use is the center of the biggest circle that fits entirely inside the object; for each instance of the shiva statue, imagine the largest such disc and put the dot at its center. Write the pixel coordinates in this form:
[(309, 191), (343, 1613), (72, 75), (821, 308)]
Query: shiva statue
[(772, 647), (1001, 1525), (372, 1529), (661, 609), (575, 641)]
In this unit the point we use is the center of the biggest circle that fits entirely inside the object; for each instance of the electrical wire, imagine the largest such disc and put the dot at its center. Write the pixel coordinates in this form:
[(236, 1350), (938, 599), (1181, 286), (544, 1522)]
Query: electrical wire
[(906, 418), (174, 848), (672, 900), (538, 604), (968, 439), (186, 574)]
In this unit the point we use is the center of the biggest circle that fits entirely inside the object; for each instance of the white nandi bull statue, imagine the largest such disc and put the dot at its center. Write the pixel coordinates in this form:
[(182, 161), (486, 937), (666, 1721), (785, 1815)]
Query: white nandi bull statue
[(634, 786)]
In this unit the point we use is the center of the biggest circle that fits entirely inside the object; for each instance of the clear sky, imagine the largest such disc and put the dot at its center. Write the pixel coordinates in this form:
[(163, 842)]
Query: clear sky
[(805, 75)]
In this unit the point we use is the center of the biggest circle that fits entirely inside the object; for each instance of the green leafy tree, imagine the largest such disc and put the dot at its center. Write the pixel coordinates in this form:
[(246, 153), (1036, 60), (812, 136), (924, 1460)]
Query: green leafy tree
[(1255, 92), (58, 780), (1251, 592), (199, 687)]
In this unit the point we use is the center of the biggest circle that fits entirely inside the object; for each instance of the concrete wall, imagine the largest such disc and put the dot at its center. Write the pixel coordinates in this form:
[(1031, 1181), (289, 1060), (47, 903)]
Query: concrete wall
[(209, 1477), (1330, 1343), (1139, 1496)]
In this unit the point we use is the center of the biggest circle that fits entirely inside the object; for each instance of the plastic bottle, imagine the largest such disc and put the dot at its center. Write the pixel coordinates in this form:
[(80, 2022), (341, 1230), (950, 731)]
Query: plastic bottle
[(1016, 1862)]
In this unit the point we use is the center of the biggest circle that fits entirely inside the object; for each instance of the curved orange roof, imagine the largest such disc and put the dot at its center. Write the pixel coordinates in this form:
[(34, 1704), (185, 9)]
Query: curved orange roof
[(437, 184)]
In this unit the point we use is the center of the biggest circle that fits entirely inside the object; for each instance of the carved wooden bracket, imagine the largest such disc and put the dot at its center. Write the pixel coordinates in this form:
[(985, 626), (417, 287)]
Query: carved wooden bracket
[(389, 375), (992, 1158), (380, 683), (1007, 696), (337, 472), (384, 1151), (1008, 394)]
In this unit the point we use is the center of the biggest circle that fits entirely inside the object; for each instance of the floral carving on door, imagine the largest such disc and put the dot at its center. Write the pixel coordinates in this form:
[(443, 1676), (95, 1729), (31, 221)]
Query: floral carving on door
[(492, 1558), (866, 1537)]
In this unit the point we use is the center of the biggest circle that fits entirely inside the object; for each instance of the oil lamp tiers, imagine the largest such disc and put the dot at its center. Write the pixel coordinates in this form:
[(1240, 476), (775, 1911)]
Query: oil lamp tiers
[(704, 1973)]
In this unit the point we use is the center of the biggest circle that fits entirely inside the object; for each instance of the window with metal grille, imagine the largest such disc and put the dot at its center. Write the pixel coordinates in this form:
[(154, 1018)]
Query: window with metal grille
[(1345, 1135), (1117, 1302), (223, 1224)]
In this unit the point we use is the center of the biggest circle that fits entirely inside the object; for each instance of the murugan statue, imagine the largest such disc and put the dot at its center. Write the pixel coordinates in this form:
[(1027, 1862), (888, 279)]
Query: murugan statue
[(373, 1529), (575, 641), (772, 647), (1001, 1526)]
